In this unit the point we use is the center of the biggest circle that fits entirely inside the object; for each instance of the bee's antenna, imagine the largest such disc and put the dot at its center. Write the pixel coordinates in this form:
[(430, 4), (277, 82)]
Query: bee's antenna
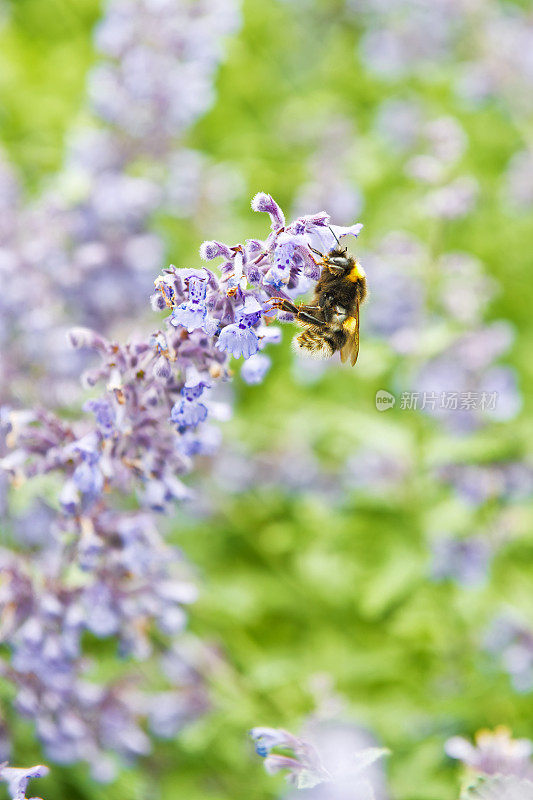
[(331, 229)]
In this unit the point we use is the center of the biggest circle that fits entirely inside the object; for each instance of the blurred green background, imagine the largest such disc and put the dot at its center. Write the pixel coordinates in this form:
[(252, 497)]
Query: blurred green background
[(298, 584)]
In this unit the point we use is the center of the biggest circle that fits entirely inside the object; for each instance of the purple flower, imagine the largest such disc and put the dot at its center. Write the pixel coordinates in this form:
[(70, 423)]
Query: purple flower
[(319, 234), (104, 413), (464, 560), (69, 498), (17, 779), (88, 479), (264, 202), (454, 200), (255, 368), (284, 258), (305, 767), (510, 641), (499, 787), (122, 581), (210, 250), (192, 314), (265, 739), (238, 339), (188, 412), (347, 751), (494, 753)]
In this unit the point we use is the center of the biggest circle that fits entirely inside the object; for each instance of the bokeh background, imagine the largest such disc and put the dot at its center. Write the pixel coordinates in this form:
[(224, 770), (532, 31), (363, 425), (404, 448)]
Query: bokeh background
[(359, 566)]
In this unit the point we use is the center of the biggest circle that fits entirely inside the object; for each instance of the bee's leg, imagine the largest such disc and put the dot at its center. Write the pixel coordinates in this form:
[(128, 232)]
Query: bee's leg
[(284, 305), (301, 312), (304, 316)]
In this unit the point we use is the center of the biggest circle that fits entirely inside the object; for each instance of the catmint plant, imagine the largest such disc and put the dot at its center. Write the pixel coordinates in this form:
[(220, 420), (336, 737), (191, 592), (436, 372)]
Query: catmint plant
[(494, 753), (17, 779), (305, 769), (105, 570), (86, 244)]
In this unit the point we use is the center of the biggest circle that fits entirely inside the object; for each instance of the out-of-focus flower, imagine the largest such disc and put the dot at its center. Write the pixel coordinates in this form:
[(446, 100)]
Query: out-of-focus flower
[(454, 200), (467, 306), (17, 779), (85, 245), (305, 767), (255, 368), (510, 641), (396, 310), (499, 788), (519, 181), (466, 561), (405, 36), (344, 747), (462, 384), (329, 186), (160, 58), (375, 471), (108, 571), (494, 753), (399, 123), (504, 481)]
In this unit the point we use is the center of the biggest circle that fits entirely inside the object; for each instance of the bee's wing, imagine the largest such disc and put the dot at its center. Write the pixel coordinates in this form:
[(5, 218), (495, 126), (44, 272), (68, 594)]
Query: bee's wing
[(351, 348)]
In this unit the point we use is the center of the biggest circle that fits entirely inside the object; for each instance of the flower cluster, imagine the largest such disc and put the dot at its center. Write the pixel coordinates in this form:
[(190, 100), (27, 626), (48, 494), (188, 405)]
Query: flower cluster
[(84, 250), (407, 36), (157, 76), (106, 571), (494, 753), (329, 184), (305, 767)]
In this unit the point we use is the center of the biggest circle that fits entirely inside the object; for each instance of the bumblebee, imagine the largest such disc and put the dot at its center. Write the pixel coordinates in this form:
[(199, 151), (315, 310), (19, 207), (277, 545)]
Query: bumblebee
[(331, 320)]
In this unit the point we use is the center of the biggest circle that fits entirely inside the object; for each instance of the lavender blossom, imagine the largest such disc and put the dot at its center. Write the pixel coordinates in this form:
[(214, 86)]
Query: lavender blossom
[(510, 641), (76, 718), (372, 470), (405, 36), (304, 765), (454, 200), (343, 747), (255, 368), (461, 386), (464, 560), (328, 185), (494, 753), (193, 313), (518, 189), (396, 311), (108, 571), (85, 245), (305, 768), (501, 481), (157, 77), (17, 779), (499, 788)]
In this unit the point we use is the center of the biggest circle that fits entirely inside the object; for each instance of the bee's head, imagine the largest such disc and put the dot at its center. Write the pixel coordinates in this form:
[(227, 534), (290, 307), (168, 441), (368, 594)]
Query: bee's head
[(338, 258)]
